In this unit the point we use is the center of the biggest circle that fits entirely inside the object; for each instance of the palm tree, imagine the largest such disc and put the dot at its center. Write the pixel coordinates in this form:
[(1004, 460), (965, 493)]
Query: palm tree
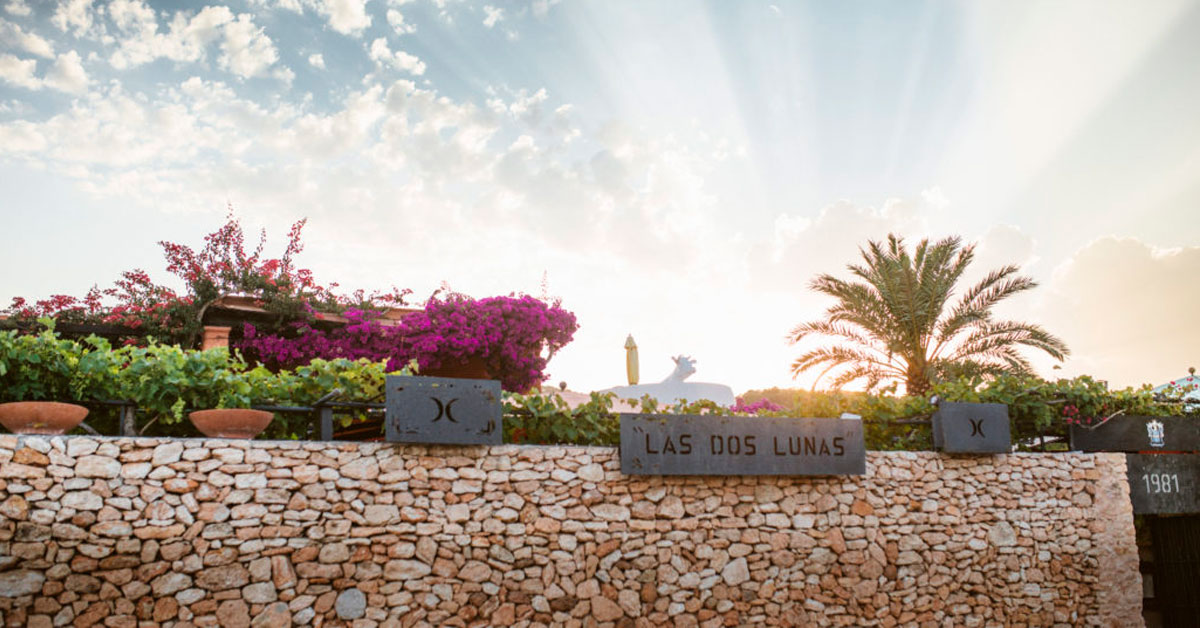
[(894, 325)]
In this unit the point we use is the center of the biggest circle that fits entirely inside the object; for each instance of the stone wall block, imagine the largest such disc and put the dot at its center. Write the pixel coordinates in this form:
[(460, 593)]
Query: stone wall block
[(122, 531)]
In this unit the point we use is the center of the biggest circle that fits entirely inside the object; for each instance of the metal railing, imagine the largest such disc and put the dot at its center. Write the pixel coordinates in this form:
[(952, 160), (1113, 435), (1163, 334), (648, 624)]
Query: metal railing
[(322, 412)]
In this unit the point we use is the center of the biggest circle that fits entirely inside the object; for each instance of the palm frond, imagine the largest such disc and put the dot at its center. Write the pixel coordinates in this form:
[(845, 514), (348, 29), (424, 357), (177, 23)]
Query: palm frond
[(993, 335)]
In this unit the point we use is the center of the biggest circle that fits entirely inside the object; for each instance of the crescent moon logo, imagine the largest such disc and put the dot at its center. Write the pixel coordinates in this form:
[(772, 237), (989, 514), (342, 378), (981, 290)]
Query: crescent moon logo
[(977, 427), (440, 409)]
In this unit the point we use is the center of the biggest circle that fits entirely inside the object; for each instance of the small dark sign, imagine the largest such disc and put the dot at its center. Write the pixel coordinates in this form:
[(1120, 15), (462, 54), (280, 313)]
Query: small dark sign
[(657, 444), (1164, 483), (1139, 433), (971, 428), (443, 410)]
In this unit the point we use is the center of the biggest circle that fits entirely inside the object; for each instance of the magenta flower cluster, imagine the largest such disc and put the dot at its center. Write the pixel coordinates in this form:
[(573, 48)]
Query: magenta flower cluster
[(514, 336), (762, 405), (362, 337)]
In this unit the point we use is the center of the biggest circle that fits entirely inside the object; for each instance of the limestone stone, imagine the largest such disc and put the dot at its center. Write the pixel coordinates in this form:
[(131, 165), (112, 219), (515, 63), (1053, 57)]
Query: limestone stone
[(77, 447), (610, 512), (222, 578), (334, 553), (113, 529), (735, 572), (30, 456), (260, 593), (1002, 534), (604, 609), (135, 470), (591, 473), (233, 614), (351, 604), (671, 507), (380, 514), (165, 609), (630, 602), (767, 493), (456, 513), (20, 582), (361, 469), (170, 583), (82, 500), (15, 508), (282, 573), (475, 571), (167, 453), (405, 569), (97, 467), (249, 480)]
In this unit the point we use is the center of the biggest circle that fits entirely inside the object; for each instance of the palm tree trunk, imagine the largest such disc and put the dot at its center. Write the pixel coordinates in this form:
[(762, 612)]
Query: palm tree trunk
[(916, 383)]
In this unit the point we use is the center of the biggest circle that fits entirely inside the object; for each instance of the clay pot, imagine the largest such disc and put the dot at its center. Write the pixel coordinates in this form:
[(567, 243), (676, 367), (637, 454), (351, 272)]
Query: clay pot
[(473, 368), (41, 417), (231, 422)]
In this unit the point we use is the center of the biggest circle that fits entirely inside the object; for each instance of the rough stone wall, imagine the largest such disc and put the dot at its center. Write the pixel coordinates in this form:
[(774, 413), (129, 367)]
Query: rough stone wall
[(1120, 599), (125, 532)]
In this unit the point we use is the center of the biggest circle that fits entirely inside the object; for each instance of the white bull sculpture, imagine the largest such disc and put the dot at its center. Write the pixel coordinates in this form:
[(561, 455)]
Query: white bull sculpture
[(673, 388)]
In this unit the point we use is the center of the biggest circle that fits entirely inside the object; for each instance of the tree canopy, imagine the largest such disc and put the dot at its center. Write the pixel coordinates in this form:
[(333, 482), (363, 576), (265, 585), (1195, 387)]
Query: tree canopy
[(896, 321)]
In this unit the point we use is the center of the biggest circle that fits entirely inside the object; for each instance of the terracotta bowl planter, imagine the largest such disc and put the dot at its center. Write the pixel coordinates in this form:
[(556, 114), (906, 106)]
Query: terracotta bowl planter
[(41, 417), (231, 422)]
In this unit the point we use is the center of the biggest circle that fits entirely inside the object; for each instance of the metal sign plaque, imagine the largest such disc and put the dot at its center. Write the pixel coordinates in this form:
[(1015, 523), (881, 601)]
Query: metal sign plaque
[(443, 410), (658, 444), (972, 428), (1139, 433), (1164, 483)]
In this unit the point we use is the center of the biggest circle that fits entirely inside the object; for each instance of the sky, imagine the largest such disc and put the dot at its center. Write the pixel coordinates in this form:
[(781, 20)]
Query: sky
[(678, 171)]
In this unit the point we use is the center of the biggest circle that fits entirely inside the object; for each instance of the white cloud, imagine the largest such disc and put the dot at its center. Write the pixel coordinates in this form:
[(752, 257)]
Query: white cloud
[(246, 50), (400, 60), (67, 74), (294, 6), (18, 7), (317, 60), (492, 15), (348, 17), (542, 7), (396, 19), (131, 15), (76, 15), (803, 247), (935, 198), (14, 35), (1127, 311), (22, 137), (19, 72)]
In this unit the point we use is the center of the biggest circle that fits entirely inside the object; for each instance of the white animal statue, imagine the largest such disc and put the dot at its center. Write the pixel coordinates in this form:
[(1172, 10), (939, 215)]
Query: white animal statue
[(685, 367), (673, 388)]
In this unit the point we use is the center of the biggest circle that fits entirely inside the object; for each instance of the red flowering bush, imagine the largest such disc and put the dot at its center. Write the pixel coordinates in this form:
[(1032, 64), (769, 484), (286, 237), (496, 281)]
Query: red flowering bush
[(510, 334), (222, 267), (761, 406), (514, 336), (300, 343)]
